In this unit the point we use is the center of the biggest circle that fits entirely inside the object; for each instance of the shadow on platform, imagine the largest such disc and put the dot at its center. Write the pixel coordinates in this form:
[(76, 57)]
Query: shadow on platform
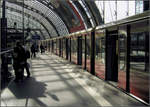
[(29, 88)]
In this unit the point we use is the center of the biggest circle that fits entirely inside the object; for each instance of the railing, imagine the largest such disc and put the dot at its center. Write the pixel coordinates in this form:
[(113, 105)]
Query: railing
[(3, 52)]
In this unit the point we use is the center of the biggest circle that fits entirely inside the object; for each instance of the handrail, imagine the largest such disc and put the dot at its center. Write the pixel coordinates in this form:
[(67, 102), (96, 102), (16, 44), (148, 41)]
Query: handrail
[(6, 51)]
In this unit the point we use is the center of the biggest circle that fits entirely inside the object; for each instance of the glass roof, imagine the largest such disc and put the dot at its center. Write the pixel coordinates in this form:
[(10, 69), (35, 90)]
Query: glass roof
[(29, 23), (38, 16), (57, 17)]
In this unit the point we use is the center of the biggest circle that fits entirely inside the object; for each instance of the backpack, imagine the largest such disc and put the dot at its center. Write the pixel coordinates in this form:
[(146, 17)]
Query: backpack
[(27, 54)]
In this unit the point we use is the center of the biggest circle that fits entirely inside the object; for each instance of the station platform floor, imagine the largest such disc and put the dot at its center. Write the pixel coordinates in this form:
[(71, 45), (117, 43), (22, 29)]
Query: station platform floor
[(56, 82)]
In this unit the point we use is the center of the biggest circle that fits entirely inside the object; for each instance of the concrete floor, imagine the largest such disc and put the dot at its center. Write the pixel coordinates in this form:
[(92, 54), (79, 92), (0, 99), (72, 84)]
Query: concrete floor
[(56, 82)]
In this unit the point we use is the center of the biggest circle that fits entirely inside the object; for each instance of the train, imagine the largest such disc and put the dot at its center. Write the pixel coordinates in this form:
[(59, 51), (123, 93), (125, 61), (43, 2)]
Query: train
[(117, 52)]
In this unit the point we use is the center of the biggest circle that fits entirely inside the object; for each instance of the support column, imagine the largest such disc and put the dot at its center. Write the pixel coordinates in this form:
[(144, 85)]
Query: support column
[(92, 69), (3, 29), (4, 57), (52, 46), (85, 53), (70, 48), (128, 59), (67, 50), (79, 54), (60, 47)]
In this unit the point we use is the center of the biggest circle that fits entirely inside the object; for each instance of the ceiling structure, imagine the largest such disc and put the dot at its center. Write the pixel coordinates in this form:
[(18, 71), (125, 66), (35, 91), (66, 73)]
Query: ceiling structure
[(54, 17)]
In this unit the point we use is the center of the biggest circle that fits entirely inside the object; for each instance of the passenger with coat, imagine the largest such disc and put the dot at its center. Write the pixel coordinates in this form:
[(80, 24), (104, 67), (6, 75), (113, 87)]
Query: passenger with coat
[(26, 65), (42, 48), (33, 51), (18, 61)]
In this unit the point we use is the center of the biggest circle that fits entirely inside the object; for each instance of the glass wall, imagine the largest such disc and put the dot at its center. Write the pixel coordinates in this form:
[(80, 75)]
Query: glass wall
[(100, 54), (88, 52), (74, 50), (139, 60), (122, 52)]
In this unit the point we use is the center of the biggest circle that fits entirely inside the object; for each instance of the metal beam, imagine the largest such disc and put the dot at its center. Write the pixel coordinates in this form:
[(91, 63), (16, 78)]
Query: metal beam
[(35, 10), (49, 5), (26, 14)]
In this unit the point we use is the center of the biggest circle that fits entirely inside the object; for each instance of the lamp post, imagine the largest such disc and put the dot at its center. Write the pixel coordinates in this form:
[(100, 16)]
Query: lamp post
[(3, 27), (23, 22)]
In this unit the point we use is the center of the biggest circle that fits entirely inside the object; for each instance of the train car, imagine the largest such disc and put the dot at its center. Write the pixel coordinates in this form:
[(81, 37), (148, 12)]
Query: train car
[(116, 52)]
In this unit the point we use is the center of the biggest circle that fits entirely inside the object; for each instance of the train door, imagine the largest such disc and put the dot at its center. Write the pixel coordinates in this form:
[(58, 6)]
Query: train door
[(122, 57), (111, 56)]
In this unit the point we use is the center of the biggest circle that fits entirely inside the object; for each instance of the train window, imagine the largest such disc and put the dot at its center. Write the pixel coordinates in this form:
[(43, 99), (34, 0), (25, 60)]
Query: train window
[(88, 51), (74, 50), (138, 60), (100, 54), (122, 53), (83, 52)]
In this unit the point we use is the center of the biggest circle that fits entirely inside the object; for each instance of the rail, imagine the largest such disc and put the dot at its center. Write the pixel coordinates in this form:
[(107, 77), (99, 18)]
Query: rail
[(6, 51)]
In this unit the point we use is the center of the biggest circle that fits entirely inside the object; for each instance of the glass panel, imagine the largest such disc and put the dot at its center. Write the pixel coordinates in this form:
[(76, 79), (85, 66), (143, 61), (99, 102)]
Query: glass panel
[(88, 54), (83, 52), (50, 48), (139, 74), (100, 54), (57, 50), (74, 50), (122, 41), (64, 48), (55, 47)]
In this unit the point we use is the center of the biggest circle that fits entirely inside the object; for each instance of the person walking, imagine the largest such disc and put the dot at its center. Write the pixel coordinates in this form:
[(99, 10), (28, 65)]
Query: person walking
[(33, 51), (26, 65), (42, 48)]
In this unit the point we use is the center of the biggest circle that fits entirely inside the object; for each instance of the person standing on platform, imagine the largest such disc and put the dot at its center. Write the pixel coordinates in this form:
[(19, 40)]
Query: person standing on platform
[(18, 61)]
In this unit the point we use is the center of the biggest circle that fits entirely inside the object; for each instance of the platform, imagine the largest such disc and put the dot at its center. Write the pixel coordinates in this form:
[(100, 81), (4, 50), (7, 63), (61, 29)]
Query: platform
[(57, 82)]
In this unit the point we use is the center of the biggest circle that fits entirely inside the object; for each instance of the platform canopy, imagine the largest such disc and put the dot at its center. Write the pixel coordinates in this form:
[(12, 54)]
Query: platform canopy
[(52, 18)]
